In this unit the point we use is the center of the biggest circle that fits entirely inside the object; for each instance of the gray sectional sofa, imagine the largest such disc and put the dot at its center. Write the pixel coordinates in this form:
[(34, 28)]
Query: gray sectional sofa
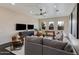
[(41, 46)]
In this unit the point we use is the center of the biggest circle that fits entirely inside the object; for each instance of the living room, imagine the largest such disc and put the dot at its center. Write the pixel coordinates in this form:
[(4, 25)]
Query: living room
[(42, 19)]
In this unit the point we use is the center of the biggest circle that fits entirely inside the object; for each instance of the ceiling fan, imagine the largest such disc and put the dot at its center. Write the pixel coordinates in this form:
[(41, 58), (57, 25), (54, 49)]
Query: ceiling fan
[(40, 13)]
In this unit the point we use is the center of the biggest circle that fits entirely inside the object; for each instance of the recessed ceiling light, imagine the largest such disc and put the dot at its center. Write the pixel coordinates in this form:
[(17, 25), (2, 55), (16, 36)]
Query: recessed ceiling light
[(31, 12), (55, 6)]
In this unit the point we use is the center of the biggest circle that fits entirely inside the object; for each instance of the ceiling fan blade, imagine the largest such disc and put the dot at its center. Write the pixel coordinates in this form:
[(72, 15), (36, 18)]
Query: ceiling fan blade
[(37, 14), (40, 13), (43, 13)]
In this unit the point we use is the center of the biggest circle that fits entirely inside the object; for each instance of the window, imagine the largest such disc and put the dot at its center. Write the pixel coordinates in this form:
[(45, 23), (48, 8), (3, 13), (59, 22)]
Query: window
[(43, 24), (60, 25), (51, 25)]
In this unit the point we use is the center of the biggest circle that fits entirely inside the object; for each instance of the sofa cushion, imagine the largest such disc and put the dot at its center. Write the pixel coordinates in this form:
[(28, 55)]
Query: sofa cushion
[(34, 39), (53, 51), (54, 43), (28, 33), (33, 49), (68, 48)]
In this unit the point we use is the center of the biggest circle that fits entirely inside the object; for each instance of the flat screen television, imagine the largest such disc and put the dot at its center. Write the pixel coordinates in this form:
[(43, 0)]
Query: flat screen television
[(30, 26), (20, 26)]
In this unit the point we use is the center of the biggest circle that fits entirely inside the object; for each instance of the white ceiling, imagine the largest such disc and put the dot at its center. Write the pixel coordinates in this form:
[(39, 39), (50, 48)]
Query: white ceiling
[(33, 8)]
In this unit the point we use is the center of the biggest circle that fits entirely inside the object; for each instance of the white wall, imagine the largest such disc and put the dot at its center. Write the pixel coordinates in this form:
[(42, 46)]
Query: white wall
[(55, 20), (74, 22), (8, 19)]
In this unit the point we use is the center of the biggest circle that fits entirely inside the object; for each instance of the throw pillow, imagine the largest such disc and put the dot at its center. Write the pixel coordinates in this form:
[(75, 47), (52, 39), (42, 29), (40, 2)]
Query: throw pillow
[(34, 39)]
